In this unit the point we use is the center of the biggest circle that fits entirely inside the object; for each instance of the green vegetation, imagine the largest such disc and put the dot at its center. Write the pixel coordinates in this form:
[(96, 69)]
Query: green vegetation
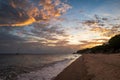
[(112, 46)]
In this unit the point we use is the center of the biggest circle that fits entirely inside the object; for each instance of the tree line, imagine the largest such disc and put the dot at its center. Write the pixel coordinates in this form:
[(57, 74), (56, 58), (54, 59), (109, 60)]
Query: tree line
[(112, 46)]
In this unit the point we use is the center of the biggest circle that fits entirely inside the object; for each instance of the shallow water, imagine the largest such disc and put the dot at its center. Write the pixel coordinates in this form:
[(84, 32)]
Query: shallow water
[(27, 67)]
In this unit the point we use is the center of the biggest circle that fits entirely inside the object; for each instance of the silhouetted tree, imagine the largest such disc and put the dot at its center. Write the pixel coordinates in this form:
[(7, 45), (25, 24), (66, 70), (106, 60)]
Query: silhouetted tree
[(114, 42), (112, 46)]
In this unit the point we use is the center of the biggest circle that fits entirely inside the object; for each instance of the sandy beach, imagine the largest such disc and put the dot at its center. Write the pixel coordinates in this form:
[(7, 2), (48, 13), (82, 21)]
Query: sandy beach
[(93, 67)]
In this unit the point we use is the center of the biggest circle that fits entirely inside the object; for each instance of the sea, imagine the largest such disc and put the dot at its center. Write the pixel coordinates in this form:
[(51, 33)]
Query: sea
[(34, 67)]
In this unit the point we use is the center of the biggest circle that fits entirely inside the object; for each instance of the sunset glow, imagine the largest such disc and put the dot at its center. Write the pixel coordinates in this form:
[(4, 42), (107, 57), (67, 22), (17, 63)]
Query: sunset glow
[(58, 24)]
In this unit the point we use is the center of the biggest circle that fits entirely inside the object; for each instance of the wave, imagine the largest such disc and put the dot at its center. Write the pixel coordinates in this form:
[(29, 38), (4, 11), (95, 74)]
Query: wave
[(48, 72)]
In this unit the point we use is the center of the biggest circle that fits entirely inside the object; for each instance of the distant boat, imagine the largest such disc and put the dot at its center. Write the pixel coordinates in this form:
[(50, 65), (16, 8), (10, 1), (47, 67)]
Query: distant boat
[(17, 53)]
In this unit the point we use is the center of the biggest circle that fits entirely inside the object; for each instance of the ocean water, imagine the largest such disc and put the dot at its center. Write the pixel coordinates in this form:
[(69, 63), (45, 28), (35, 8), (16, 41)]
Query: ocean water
[(34, 67)]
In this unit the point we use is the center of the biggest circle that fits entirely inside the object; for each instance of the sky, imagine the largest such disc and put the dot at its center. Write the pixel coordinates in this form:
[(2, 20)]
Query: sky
[(56, 26)]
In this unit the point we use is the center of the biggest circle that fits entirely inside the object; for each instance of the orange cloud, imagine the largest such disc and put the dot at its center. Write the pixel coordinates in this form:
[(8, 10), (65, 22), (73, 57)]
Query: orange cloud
[(106, 32), (101, 24), (90, 44), (93, 42), (99, 29), (51, 9), (26, 12), (27, 22)]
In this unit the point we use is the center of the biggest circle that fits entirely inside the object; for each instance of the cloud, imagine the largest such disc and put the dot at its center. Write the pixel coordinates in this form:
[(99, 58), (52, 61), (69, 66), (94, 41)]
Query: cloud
[(6, 36), (100, 29), (106, 26), (108, 32), (58, 42), (8, 41), (12, 15), (46, 31), (93, 42), (37, 38), (101, 40), (89, 44), (22, 13), (113, 31), (89, 22), (96, 21), (36, 47)]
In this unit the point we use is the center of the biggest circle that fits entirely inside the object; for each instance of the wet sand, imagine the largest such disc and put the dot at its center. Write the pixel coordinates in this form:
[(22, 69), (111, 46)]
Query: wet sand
[(93, 67)]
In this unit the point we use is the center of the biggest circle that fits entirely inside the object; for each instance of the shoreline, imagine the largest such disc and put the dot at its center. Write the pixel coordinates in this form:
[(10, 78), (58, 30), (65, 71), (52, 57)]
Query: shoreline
[(76, 71), (48, 72), (92, 67)]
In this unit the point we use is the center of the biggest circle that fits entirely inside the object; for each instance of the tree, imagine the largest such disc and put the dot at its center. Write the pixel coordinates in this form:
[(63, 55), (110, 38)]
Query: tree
[(114, 42)]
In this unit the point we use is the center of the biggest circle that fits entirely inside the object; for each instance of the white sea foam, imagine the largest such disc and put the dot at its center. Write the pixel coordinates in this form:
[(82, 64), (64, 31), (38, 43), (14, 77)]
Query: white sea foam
[(47, 73)]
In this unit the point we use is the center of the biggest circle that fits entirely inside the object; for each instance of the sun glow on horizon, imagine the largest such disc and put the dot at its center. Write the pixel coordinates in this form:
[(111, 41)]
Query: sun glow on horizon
[(46, 25)]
